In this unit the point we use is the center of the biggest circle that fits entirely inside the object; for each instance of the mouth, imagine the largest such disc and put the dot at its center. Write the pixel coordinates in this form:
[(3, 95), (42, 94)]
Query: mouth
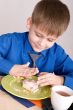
[(38, 47)]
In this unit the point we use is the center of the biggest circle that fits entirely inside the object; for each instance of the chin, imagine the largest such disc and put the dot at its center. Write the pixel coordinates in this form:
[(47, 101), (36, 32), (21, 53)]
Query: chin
[(37, 50)]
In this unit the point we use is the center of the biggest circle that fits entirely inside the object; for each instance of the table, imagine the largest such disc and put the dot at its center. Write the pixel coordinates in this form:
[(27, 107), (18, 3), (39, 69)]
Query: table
[(8, 103)]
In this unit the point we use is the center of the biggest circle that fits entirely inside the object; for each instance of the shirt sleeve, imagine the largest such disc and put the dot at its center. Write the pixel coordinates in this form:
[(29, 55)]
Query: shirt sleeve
[(64, 67), (5, 43)]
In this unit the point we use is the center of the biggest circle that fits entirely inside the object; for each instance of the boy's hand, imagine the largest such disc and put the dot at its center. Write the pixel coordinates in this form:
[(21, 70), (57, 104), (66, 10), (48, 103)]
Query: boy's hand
[(50, 79), (23, 71)]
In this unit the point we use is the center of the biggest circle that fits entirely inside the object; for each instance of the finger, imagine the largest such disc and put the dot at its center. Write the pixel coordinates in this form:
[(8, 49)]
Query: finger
[(26, 73), (45, 84), (41, 77), (22, 74), (42, 73), (27, 64), (34, 71), (46, 75)]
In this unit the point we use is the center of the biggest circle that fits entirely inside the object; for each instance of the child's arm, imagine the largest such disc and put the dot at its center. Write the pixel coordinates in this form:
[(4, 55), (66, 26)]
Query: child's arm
[(8, 47), (63, 71), (5, 44), (64, 67)]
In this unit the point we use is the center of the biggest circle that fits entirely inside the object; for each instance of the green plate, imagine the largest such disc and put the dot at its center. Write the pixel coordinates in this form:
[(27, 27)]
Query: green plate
[(14, 86)]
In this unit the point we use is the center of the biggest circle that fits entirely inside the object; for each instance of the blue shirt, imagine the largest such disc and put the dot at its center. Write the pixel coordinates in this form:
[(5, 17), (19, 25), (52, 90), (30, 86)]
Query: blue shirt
[(14, 49)]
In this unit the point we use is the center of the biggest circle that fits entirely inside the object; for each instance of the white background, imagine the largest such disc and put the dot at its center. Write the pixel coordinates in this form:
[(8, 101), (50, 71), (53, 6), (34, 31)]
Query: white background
[(14, 13)]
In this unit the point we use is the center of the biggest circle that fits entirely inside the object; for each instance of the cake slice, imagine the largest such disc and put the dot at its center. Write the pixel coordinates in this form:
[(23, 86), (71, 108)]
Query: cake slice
[(30, 85)]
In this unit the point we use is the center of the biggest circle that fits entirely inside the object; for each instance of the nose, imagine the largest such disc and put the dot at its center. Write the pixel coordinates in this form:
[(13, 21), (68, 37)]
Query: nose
[(42, 42)]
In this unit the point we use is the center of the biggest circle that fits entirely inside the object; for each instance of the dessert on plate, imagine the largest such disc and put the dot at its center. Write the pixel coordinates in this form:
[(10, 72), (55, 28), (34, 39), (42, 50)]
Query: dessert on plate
[(30, 85)]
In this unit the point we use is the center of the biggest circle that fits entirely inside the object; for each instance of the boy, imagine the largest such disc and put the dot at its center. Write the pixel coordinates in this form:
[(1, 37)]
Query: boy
[(50, 18)]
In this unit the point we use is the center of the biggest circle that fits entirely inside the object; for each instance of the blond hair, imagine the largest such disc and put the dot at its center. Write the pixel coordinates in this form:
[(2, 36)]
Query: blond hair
[(52, 16)]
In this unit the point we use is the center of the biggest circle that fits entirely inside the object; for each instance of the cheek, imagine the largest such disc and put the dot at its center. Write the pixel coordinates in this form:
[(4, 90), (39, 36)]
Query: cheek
[(35, 39), (49, 44)]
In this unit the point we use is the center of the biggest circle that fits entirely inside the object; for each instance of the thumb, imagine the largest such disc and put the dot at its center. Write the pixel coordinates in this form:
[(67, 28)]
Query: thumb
[(27, 64)]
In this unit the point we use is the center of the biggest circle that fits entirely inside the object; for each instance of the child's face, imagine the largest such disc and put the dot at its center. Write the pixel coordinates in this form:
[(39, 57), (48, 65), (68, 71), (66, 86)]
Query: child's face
[(39, 40)]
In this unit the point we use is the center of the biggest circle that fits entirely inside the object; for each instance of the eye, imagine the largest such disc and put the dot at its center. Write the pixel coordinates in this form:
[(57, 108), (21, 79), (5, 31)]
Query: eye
[(50, 40), (38, 35)]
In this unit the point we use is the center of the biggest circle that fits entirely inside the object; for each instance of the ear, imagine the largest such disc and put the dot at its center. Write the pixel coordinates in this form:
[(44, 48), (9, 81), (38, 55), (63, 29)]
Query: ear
[(29, 23)]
